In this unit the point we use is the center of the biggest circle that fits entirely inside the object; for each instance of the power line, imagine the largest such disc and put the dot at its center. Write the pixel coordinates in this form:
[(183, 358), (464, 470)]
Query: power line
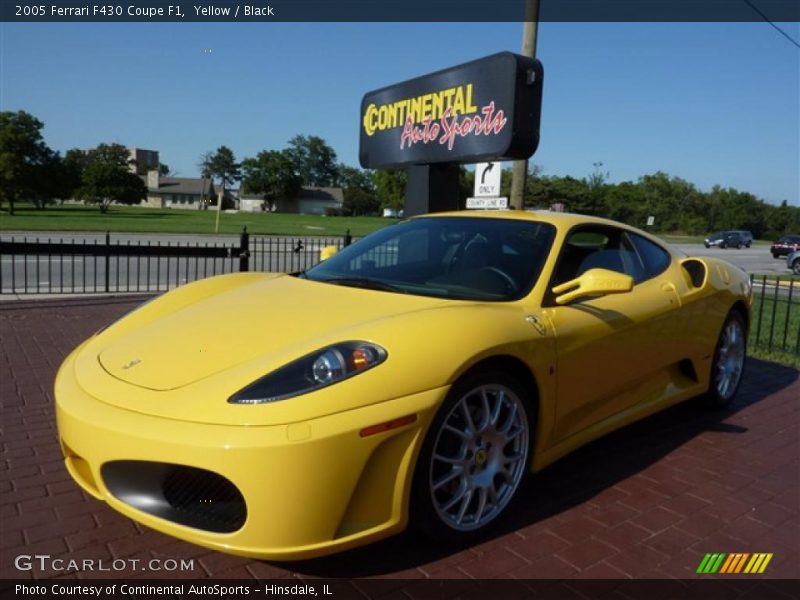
[(763, 16)]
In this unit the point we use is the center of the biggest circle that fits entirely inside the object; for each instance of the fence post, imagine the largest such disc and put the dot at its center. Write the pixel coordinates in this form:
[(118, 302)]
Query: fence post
[(348, 239), (108, 258), (244, 251)]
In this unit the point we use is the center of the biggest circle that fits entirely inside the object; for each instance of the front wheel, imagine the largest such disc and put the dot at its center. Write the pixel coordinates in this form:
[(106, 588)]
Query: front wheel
[(728, 361), (474, 458)]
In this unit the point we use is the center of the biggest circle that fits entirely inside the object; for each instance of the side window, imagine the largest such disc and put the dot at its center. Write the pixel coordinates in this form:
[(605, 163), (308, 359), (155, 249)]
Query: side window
[(654, 258), (604, 247)]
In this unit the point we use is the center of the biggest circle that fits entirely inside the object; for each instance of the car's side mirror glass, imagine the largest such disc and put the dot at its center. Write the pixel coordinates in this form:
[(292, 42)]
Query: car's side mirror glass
[(594, 282)]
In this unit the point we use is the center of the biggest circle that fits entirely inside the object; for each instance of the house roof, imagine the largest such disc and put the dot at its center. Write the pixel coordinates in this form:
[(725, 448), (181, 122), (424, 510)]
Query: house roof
[(184, 185), (332, 194)]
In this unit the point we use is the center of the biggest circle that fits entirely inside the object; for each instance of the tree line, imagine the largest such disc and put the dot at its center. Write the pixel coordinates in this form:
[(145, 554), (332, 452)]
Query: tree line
[(31, 171)]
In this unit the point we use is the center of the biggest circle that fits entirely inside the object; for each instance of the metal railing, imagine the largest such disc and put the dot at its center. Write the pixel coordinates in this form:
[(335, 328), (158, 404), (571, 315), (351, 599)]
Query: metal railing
[(36, 266), (775, 323)]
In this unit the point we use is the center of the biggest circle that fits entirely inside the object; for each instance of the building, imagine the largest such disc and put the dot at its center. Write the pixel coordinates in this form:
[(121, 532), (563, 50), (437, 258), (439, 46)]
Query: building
[(309, 201), (142, 161), (178, 192)]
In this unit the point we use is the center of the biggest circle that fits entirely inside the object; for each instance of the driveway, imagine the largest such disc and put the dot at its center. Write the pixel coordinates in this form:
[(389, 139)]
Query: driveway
[(649, 501)]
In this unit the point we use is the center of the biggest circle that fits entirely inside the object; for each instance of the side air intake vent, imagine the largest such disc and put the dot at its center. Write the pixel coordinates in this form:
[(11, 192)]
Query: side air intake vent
[(696, 271)]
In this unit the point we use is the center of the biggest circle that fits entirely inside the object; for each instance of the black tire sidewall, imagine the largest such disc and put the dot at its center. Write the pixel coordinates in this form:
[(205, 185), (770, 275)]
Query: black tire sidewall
[(423, 516)]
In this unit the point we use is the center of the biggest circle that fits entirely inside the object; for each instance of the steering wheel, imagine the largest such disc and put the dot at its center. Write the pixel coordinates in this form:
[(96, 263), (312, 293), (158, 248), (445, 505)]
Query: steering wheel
[(507, 279)]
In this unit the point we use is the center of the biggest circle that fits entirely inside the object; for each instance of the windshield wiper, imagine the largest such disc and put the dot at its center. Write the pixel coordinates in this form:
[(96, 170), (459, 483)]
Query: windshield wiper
[(365, 282)]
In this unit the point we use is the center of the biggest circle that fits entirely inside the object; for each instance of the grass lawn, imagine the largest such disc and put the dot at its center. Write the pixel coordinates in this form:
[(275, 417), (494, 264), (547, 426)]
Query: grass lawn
[(124, 219), (771, 318)]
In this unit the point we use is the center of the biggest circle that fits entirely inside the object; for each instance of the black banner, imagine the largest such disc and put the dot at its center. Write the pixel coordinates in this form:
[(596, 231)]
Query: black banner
[(395, 10), (485, 109), (361, 589)]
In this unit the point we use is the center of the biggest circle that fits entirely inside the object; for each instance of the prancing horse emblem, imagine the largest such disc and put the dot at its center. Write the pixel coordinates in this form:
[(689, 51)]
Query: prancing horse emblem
[(132, 363)]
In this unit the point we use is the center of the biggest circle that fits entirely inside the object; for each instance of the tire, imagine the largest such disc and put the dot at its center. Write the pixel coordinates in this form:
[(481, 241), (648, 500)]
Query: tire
[(775, 255), (723, 245), (707, 245), (728, 363), (474, 459), (796, 266)]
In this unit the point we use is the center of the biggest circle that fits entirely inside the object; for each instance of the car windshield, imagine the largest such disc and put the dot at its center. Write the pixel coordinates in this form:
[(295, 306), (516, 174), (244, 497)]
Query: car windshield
[(451, 257)]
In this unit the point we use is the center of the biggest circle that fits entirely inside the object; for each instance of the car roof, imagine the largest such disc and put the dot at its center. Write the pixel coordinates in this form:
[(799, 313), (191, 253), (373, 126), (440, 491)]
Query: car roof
[(562, 220)]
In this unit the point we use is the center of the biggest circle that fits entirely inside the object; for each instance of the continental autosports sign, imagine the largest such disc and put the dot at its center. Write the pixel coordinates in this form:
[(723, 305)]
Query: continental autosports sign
[(485, 109)]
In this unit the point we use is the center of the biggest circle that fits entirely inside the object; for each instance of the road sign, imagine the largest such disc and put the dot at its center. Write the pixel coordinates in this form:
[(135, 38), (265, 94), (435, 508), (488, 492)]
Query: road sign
[(487, 179), (485, 202), (651, 221)]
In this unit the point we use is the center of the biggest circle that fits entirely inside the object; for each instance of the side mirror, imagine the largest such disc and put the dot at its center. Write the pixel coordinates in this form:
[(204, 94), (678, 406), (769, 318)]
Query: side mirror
[(594, 282), (327, 252)]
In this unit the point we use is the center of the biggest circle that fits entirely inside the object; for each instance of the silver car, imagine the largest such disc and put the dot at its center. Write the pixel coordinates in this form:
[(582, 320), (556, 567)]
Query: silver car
[(793, 262)]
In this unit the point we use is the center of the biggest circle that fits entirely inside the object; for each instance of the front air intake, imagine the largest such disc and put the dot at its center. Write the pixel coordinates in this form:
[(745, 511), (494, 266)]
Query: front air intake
[(185, 495)]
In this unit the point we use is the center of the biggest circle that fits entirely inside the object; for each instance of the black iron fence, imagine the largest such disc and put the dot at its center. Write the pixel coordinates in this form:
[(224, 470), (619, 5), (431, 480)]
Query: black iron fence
[(775, 323), (35, 266)]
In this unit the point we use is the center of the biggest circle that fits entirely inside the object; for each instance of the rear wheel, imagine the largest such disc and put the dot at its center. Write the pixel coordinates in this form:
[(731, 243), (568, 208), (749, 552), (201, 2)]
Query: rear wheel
[(474, 458), (728, 362), (796, 266)]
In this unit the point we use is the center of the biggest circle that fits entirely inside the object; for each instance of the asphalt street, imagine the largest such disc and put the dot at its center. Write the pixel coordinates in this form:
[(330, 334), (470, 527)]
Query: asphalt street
[(78, 274)]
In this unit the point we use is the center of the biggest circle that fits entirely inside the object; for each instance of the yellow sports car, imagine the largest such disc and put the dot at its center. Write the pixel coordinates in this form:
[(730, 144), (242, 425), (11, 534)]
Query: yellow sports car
[(416, 376)]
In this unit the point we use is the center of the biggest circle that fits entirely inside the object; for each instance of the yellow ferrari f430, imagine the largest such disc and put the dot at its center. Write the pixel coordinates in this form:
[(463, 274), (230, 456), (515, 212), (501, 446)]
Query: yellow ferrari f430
[(415, 377)]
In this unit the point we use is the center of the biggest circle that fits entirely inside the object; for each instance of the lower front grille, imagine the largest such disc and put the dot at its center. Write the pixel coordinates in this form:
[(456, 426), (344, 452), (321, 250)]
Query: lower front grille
[(186, 495)]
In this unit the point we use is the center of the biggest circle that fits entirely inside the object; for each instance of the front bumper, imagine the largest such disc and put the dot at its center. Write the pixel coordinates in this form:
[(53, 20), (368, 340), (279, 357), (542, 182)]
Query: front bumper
[(310, 488)]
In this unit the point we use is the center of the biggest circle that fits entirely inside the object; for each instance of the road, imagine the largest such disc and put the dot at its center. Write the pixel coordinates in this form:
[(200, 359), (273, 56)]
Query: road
[(78, 274), (86, 274)]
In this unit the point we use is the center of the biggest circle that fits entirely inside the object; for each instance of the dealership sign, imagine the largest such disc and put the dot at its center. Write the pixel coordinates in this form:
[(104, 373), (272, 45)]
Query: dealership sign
[(485, 109)]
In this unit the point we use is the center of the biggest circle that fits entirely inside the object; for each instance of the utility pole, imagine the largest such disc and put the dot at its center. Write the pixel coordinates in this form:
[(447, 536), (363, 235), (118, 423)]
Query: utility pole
[(519, 169)]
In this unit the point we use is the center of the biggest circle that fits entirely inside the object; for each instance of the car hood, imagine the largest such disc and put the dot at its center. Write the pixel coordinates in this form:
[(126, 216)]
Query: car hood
[(273, 319)]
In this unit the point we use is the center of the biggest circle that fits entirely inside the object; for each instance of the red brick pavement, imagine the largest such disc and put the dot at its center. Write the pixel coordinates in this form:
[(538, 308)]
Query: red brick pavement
[(646, 502)]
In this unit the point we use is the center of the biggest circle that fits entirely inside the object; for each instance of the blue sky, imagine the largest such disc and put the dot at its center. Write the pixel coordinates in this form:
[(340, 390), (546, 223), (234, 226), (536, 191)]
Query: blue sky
[(714, 103)]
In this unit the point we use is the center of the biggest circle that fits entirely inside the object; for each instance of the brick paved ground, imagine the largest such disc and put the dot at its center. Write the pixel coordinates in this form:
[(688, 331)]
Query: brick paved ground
[(648, 501)]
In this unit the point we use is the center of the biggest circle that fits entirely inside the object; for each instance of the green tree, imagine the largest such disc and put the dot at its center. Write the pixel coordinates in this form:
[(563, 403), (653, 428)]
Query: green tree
[(358, 201), (353, 177), (105, 182), (111, 154), (23, 154), (314, 160), (270, 175), (222, 165), (390, 187), (360, 197)]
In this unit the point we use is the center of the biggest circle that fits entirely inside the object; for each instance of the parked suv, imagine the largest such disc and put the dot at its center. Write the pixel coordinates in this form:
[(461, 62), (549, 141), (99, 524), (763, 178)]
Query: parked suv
[(729, 239), (785, 245)]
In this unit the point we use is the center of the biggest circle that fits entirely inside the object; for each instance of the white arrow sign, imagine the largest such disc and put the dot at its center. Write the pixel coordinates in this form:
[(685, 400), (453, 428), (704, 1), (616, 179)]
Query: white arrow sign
[(487, 179)]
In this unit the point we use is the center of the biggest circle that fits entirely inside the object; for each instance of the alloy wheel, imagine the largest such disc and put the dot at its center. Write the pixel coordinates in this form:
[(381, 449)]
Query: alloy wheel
[(479, 457), (730, 359)]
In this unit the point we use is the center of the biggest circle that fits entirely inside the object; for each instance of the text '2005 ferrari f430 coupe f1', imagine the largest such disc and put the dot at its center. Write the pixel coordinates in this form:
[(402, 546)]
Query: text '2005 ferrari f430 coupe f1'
[(415, 377)]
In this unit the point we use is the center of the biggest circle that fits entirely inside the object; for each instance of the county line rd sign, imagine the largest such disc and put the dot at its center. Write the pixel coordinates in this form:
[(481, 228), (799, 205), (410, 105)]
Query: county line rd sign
[(485, 109)]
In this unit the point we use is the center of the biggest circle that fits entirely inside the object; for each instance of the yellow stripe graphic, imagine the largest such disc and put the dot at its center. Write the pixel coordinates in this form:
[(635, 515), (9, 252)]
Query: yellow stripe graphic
[(753, 564), (765, 563)]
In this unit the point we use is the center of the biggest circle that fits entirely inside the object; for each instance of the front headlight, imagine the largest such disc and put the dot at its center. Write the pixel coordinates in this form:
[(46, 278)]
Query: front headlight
[(312, 372)]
